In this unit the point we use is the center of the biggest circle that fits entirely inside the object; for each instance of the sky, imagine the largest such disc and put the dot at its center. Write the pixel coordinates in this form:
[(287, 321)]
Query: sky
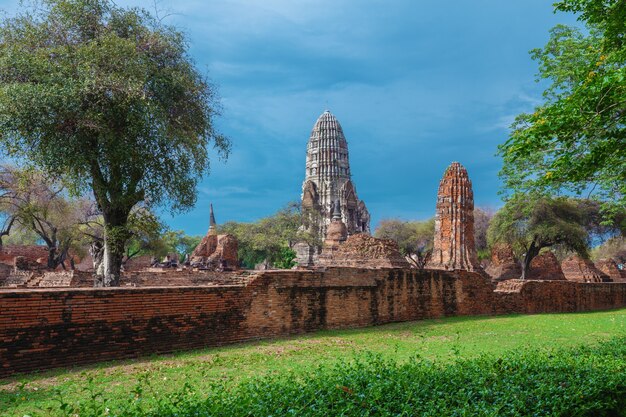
[(415, 84)]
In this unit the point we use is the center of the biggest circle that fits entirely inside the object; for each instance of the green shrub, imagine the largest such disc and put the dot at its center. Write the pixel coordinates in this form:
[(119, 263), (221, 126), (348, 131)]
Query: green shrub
[(586, 381)]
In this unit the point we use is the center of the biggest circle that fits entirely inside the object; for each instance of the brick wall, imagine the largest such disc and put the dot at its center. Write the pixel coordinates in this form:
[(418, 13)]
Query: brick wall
[(42, 329)]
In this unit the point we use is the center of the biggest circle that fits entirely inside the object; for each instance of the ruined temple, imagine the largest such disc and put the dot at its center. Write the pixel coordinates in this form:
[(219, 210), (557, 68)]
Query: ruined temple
[(362, 251), (503, 265), (328, 179), (454, 247)]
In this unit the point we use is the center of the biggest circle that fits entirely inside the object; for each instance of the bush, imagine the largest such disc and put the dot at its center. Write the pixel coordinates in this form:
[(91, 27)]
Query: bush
[(586, 381)]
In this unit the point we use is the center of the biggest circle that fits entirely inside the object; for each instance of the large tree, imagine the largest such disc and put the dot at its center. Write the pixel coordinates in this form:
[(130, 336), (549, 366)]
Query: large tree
[(109, 100), (530, 224), (575, 140)]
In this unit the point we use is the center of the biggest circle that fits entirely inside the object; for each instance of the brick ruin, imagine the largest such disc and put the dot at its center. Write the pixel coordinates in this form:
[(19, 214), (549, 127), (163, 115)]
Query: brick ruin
[(609, 267), (454, 247), (363, 251), (576, 268), (215, 252), (545, 266), (25, 267), (503, 265)]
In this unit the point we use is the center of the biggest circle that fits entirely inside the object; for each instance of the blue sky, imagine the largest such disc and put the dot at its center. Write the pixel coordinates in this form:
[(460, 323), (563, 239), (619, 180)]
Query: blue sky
[(416, 84)]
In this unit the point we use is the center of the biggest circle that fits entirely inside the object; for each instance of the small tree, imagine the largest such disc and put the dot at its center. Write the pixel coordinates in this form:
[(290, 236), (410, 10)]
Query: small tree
[(179, 242), (271, 238), (614, 248), (414, 238), (482, 218), (531, 224), (109, 100)]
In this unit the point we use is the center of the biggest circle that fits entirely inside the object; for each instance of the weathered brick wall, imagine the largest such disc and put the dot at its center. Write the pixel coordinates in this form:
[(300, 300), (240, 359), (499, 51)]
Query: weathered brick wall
[(560, 297), (42, 329)]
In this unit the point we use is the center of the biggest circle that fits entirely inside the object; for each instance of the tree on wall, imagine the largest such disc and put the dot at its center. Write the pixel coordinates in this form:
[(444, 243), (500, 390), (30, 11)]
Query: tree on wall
[(576, 139), (109, 100), (414, 238), (532, 224)]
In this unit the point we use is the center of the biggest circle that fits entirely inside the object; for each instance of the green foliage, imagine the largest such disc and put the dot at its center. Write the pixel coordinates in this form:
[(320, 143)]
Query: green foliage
[(285, 259), (176, 241), (109, 100), (576, 140), (614, 248), (270, 238), (610, 15), (410, 235), (583, 382), (146, 234)]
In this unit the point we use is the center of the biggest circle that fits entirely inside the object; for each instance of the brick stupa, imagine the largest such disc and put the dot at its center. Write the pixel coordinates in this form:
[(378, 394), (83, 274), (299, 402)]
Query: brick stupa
[(503, 265), (576, 268), (610, 268), (215, 251), (454, 247)]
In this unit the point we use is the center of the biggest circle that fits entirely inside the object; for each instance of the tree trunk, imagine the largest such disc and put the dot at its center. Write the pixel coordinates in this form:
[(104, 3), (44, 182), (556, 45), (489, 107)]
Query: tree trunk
[(115, 237), (52, 255), (96, 250), (532, 251)]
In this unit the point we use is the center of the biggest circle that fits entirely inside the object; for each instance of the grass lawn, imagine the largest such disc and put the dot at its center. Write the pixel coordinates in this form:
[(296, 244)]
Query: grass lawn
[(441, 340)]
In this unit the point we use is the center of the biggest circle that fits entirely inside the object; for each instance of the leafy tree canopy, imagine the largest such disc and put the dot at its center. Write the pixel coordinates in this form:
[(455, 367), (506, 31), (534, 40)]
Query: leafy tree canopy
[(576, 140)]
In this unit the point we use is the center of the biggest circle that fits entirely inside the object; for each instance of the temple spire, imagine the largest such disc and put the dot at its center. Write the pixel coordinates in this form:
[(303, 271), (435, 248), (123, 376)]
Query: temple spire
[(328, 178), (212, 223)]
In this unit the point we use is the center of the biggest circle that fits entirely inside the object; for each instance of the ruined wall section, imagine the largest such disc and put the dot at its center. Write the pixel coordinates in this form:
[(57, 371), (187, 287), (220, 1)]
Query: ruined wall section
[(41, 329)]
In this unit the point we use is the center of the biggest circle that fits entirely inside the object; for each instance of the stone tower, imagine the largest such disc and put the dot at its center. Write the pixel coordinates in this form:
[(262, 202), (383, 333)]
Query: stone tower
[(328, 179), (454, 247)]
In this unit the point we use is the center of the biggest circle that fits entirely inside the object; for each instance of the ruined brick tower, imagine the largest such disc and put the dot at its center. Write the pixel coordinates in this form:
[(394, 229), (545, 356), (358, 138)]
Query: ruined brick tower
[(328, 179), (454, 247)]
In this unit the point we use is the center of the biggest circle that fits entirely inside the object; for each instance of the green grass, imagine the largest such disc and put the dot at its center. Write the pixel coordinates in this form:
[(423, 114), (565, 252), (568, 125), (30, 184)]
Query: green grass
[(115, 384)]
